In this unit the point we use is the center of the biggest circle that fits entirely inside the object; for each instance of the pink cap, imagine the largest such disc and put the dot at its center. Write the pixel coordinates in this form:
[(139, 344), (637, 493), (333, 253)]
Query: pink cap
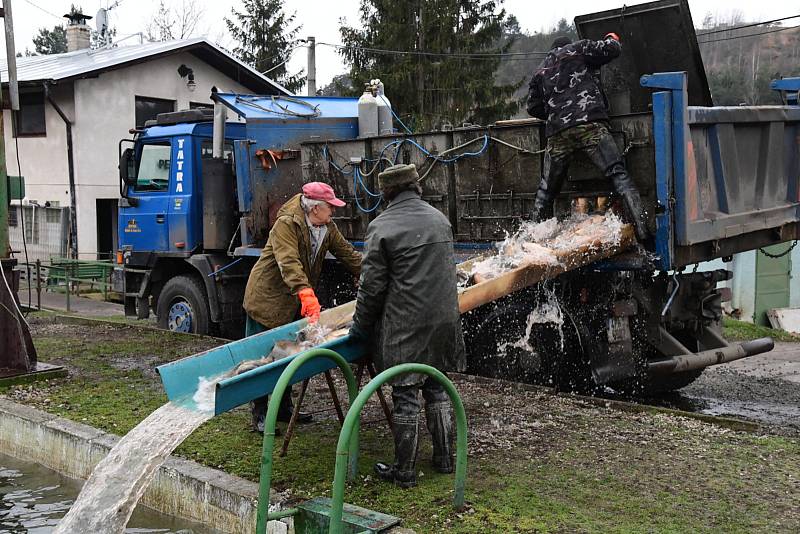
[(321, 191)]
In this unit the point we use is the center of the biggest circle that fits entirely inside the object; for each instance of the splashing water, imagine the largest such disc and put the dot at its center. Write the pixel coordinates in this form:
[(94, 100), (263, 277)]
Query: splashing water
[(548, 312), (117, 483), (205, 396), (542, 243)]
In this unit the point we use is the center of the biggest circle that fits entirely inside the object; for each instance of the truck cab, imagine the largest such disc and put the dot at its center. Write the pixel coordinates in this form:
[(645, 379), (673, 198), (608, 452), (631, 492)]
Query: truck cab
[(166, 171), (199, 195)]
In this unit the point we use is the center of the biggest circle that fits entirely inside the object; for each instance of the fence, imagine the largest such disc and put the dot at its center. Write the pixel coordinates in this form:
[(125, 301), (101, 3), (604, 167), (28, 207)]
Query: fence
[(63, 275), (46, 232)]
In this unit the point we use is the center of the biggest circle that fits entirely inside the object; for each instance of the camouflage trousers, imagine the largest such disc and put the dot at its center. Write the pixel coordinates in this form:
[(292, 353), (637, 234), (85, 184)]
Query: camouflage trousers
[(584, 137), (593, 139)]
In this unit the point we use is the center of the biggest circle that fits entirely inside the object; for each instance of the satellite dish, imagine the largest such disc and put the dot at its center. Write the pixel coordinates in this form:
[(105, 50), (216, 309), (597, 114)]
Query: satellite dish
[(101, 21)]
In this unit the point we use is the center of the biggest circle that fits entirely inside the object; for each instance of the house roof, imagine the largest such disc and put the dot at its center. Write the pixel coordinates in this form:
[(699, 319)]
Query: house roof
[(88, 63)]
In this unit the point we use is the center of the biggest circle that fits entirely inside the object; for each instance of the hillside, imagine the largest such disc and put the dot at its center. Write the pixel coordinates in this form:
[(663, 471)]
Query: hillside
[(739, 63)]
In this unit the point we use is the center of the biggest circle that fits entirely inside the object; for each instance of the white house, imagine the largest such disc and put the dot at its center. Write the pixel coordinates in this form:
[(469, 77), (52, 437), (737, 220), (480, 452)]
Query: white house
[(99, 95)]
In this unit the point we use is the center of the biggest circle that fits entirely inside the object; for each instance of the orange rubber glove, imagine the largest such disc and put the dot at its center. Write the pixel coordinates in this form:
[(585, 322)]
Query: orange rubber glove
[(309, 305), (612, 35)]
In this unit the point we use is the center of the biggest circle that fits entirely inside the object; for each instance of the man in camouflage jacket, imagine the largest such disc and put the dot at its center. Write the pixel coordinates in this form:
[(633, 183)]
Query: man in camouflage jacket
[(565, 91)]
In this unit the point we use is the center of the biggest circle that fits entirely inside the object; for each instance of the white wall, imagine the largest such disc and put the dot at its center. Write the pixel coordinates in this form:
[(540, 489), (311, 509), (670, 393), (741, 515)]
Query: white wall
[(43, 160), (105, 111), (102, 110)]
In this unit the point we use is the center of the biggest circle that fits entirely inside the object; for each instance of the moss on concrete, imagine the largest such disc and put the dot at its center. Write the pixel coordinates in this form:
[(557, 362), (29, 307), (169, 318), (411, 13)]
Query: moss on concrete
[(579, 468)]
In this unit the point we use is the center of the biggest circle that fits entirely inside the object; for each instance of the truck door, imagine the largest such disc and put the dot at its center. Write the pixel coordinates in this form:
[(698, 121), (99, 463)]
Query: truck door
[(185, 215), (145, 227)]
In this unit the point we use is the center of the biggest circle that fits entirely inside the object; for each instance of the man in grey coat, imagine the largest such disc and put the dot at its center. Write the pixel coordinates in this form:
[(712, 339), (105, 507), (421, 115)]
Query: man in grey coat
[(407, 307)]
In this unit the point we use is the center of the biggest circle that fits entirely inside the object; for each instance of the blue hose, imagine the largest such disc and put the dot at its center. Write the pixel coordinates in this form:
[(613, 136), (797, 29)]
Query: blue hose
[(356, 181)]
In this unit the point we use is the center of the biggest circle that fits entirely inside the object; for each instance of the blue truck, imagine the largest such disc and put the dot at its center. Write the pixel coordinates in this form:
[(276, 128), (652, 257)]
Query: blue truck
[(200, 193)]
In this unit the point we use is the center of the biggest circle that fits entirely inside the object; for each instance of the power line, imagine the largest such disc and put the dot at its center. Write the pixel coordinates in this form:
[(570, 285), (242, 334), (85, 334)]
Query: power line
[(44, 10), (747, 25), (751, 35), (460, 55)]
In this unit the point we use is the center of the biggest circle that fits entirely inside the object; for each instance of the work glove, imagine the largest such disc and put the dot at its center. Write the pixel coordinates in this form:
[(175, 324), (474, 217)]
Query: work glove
[(309, 305), (612, 35), (357, 334)]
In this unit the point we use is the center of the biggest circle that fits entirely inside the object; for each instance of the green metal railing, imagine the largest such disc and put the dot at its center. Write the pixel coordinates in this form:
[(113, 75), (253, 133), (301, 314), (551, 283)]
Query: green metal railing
[(269, 431), (352, 422)]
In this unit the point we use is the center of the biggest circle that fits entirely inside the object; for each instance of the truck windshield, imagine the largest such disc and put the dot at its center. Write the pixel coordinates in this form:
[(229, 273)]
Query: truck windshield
[(153, 168)]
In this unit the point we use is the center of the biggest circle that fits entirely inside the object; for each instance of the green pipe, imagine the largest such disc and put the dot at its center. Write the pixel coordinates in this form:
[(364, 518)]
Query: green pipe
[(271, 419), (351, 424)]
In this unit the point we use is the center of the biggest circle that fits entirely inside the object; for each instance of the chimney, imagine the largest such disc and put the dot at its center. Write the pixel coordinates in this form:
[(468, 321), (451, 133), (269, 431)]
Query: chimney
[(78, 32)]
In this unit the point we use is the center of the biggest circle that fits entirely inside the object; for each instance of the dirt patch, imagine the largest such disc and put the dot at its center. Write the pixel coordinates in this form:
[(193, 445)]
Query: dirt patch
[(110, 346)]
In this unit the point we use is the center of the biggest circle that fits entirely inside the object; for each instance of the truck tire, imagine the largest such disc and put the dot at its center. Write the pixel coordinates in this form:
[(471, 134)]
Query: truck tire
[(664, 384), (183, 306)]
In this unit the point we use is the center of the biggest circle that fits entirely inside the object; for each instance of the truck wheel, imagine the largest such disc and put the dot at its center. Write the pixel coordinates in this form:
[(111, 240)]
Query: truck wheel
[(183, 306), (664, 384)]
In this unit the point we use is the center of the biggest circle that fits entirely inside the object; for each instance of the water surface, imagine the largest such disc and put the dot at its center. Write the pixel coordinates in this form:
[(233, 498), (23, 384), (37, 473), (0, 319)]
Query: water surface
[(33, 499)]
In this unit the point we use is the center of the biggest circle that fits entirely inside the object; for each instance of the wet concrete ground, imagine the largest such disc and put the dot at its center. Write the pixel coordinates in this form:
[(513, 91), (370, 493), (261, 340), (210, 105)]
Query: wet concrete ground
[(763, 388)]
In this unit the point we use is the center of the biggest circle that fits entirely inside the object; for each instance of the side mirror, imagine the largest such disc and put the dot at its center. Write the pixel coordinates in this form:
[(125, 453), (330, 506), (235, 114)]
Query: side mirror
[(127, 167)]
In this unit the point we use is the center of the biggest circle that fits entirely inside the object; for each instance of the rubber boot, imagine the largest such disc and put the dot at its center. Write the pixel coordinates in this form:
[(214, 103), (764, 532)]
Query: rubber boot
[(258, 412), (549, 187), (440, 424), (406, 439), (631, 199), (606, 156)]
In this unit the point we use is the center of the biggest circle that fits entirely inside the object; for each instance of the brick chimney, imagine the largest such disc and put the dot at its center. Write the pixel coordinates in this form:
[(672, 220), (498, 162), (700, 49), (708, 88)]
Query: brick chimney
[(79, 35)]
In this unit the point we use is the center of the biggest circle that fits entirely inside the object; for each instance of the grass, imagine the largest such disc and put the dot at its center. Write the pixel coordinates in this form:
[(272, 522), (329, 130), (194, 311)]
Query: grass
[(582, 468), (741, 331)]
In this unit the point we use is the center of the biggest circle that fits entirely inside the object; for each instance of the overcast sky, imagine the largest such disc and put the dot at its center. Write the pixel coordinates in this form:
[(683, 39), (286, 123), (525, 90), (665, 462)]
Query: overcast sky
[(320, 18)]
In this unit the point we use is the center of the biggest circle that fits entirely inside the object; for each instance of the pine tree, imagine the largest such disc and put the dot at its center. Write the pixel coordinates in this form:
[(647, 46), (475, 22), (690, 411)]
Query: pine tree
[(266, 37), (51, 41), (443, 81)]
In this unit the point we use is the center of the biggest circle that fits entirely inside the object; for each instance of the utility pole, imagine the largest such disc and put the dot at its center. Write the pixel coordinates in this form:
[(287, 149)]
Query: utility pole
[(17, 354), (311, 80)]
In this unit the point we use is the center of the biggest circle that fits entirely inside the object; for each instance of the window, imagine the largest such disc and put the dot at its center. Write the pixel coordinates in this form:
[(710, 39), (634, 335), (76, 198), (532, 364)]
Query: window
[(200, 105), (31, 214), (206, 151), (153, 168), (148, 108), (29, 120), (52, 215), (13, 221)]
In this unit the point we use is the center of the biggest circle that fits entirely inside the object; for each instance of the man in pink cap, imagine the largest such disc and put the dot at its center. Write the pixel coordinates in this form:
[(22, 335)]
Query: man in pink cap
[(281, 285)]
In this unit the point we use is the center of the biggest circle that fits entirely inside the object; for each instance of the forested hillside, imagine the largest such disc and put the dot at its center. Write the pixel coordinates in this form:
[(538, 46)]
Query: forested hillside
[(739, 62)]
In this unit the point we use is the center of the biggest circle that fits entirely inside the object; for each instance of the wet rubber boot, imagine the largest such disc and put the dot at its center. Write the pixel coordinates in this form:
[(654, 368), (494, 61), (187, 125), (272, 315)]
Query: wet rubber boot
[(606, 156), (439, 420), (406, 439), (550, 185), (258, 411), (632, 201), (286, 409)]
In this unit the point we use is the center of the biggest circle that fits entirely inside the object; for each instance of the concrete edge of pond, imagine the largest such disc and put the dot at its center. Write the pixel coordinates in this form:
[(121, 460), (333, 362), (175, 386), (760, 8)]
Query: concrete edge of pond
[(181, 488)]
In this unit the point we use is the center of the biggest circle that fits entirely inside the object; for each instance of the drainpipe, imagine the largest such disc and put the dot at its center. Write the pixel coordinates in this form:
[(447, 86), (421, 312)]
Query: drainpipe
[(73, 224)]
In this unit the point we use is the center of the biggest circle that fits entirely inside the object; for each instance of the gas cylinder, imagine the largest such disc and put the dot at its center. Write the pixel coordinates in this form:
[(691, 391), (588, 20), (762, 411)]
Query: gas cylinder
[(384, 109), (367, 113)]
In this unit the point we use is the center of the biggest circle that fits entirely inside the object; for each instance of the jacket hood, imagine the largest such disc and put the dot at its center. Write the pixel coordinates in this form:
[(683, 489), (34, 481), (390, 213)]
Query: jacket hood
[(293, 208)]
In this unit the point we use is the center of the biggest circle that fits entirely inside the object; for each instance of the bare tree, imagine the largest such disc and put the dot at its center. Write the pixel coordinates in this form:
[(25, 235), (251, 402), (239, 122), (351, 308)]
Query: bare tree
[(174, 22)]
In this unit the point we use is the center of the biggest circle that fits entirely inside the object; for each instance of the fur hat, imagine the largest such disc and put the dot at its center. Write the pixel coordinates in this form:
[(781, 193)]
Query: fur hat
[(398, 175)]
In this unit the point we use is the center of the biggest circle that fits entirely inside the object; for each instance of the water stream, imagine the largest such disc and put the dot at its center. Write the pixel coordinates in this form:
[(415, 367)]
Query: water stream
[(119, 480), (33, 499), (547, 312)]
